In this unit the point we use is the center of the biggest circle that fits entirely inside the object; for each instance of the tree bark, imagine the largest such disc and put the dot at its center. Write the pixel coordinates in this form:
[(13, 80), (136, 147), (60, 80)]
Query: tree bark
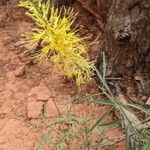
[(62, 2), (127, 42)]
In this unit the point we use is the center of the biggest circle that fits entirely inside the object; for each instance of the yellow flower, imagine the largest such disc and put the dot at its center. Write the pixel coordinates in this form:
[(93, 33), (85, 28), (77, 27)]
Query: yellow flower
[(60, 40)]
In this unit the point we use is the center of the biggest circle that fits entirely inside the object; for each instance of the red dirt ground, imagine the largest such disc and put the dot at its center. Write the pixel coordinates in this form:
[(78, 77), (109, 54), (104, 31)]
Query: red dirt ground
[(23, 84)]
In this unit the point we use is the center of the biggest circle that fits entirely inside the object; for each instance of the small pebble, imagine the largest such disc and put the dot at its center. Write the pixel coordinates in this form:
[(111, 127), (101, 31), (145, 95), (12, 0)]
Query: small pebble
[(20, 71)]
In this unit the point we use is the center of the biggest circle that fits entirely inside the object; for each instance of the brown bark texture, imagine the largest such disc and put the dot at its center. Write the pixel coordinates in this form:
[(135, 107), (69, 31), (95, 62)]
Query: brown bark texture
[(127, 40)]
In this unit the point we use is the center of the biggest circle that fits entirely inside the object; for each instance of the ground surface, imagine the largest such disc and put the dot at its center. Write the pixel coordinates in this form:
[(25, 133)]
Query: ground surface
[(26, 88)]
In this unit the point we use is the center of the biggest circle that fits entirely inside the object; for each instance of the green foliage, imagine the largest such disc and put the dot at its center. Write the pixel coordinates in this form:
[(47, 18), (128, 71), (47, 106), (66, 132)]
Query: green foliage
[(100, 120), (137, 133), (60, 41), (71, 131)]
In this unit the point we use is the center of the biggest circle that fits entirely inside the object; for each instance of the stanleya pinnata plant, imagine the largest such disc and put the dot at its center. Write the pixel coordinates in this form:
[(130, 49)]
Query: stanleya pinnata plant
[(59, 38)]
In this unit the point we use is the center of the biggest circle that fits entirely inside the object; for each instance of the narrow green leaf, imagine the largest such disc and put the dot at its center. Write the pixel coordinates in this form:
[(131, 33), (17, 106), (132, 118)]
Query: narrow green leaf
[(100, 119), (128, 120), (103, 81), (104, 65), (141, 108), (146, 146), (127, 138), (103, 102)]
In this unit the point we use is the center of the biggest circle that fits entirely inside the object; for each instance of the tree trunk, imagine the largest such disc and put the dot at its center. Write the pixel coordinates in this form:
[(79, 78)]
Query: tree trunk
[(127, 43), (62, 2)]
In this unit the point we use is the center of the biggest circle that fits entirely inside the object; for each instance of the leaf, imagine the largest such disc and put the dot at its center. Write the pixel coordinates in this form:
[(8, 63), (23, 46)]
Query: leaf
[(130, 119), (103, 102), (146, 144), (103, 81), (104, 65), (127, 138), (47, 138), (100, 120), (141, 108)]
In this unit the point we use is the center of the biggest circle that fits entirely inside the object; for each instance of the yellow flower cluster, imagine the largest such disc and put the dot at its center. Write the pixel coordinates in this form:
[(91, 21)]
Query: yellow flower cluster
[(60, 41)]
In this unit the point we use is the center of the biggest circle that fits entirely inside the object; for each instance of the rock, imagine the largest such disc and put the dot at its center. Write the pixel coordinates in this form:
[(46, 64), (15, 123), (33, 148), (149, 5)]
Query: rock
[(51, 110), (42, 93), (148, 101), (34, 109), (20, 71)]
